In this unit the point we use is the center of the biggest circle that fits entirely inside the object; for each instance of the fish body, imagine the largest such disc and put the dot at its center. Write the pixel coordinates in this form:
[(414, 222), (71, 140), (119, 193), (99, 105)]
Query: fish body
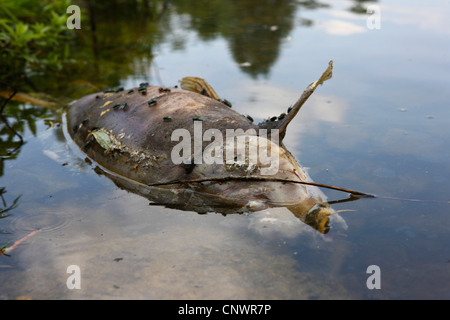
[(148, 137), (141, 134)]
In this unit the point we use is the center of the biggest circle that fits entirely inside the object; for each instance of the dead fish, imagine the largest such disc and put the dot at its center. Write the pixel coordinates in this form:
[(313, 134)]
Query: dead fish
[(142, 137)]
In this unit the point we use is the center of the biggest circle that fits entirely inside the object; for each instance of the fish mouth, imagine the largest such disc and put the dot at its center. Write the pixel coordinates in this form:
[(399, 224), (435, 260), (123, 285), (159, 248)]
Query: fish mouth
[(318, 218)]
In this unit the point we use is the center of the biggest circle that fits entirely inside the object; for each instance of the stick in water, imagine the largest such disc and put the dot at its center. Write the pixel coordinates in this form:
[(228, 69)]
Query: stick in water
[(231, 178), (11, 248)]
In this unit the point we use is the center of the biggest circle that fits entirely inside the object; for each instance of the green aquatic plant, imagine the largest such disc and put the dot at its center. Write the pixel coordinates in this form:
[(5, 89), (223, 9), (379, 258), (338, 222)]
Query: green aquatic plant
[(6, 208), (33, 37), (3, 247)]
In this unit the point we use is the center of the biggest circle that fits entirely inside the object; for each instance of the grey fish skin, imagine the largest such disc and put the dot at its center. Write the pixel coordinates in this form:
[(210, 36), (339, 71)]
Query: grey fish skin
[(129, 134), (141, 136)]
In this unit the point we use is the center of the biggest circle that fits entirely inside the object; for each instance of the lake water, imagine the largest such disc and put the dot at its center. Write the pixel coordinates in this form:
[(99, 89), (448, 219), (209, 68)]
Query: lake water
[(380, 125)]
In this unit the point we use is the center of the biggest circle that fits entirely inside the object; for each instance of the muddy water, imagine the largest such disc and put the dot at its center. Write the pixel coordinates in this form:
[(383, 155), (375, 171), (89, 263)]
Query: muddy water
[(380, 125)]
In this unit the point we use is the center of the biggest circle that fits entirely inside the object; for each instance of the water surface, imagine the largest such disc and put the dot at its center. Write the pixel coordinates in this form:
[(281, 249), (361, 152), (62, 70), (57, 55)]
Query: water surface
[(380, 125)]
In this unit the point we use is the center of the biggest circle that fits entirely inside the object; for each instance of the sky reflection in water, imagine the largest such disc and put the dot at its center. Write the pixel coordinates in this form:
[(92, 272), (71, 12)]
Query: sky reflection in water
[(380, 125)]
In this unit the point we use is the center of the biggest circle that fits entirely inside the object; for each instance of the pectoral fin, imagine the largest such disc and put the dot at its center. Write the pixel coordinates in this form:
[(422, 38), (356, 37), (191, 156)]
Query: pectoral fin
[(282, 122)]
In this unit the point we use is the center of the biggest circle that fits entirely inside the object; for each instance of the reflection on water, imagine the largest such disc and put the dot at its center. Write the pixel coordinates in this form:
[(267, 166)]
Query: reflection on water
[(378, 126), (254, 32)]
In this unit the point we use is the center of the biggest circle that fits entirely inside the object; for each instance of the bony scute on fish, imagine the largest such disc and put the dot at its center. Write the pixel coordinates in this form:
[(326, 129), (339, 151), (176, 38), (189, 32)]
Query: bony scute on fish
[(248, 167), (227, 184)]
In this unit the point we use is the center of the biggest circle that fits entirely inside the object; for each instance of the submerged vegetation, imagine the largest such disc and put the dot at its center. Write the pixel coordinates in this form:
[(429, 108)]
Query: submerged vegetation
[(6, 208)]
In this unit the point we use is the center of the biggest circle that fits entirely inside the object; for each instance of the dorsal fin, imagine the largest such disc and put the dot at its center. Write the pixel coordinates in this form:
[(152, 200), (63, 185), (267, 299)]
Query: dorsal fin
[(198, 85), (282, 121)]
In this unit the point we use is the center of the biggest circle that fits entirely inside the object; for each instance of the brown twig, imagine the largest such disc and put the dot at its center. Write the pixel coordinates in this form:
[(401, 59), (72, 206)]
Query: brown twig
[(231, 178), (28, 98), (354, 194), (11, 248)]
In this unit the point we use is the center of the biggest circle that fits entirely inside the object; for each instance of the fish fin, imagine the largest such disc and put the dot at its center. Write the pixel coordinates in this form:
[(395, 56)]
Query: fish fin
[(198, 85), (281, 122)]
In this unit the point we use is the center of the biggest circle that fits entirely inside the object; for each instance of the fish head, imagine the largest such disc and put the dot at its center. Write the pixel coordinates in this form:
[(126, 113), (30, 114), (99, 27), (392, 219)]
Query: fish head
[(256, 173), (317, 217)]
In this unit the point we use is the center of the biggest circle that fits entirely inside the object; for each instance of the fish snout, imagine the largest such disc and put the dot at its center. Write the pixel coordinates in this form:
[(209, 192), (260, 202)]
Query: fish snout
[(318, 217)]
